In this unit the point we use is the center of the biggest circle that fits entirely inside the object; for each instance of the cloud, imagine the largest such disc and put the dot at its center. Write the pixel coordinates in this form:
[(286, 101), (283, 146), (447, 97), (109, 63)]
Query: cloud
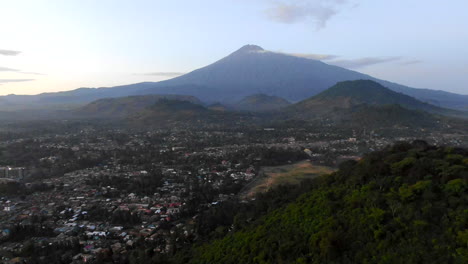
[(319, 11), (362, 62), (411, 62), (351, 63), (163, 74), (8, 69), (9, 52), (14, 80), (18, 71), (33, 73), (313, 56)]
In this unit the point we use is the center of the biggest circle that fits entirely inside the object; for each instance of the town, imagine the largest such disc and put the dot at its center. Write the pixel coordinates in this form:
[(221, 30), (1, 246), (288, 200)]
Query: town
[(94, 192)]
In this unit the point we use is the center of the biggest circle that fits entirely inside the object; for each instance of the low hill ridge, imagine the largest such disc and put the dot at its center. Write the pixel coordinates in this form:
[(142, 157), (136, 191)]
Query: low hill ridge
[(348, 94), (261, 103), (124, 106)]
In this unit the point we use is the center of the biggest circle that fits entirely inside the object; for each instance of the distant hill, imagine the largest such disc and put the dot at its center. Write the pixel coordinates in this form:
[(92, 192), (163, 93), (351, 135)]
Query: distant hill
[(166, 111), (407, 204), (365, 116), (351, 93), (369, 92), (360, 103), (218, 107), (247, 71), (261, 103), (124, 106)]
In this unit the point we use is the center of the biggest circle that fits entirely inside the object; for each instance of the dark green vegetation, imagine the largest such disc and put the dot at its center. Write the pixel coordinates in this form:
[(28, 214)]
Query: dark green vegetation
[(407, 203), (261, 103)]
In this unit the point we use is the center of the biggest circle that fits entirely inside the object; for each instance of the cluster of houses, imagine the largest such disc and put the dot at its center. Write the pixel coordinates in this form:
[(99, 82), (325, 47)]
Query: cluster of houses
[(99, 218), (14, 173)]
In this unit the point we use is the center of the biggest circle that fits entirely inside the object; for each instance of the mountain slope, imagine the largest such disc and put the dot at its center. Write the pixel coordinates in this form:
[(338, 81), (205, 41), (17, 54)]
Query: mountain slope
[(382, 116), (249, 70), (124, 106), (261, 103), (347, 94), (365, 103), (369, 92), (406, 202), (252, 70)]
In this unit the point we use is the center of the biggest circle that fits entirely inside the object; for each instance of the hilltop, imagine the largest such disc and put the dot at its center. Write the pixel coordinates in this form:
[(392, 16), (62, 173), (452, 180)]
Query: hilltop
[(351, 93), (408, 202), (367, 103)]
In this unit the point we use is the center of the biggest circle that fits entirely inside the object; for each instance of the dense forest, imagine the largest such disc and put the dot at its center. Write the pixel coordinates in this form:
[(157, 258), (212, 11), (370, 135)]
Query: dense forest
[(407, 203)]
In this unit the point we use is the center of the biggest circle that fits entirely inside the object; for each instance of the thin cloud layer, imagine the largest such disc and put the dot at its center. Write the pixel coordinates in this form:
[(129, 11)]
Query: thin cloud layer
[(14, 80), (362, 62), (33, 73), (9, 52), (319, 11), (411, 62), (313, 56), (350, 63), (164, 74), (8, 69)]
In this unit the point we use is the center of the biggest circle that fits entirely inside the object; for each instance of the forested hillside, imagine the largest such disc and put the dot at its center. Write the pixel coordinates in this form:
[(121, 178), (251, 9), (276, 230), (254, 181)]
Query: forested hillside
[(405, 204)]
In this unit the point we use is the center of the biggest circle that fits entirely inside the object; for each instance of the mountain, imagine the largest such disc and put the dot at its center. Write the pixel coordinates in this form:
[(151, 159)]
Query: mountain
[(408, 202), (247, 71), (124, 106), (348, 94), (261, 103), (369, 92), (251, 70), (366, 103)]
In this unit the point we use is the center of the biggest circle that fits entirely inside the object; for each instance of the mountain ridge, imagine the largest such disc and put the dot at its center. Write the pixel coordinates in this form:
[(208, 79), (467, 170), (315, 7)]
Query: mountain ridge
[(121, 107), (351, 93), (366, 103), (249, 70)]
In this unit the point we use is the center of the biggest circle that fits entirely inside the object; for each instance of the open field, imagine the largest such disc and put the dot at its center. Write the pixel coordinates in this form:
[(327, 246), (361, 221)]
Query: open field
[(286, 174)]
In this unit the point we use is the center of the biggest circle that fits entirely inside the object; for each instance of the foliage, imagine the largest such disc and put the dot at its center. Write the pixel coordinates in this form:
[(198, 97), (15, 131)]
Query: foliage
[(408, 202)]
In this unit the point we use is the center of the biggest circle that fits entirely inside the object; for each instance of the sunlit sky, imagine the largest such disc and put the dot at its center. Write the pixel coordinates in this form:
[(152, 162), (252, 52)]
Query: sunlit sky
[(55, 45)]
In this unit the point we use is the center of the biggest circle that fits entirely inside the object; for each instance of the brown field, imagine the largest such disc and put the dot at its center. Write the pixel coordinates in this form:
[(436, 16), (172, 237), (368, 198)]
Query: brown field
[(287, 174)]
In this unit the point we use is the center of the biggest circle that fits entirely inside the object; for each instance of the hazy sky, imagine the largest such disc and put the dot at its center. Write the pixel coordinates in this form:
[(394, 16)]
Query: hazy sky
[(54, 45)]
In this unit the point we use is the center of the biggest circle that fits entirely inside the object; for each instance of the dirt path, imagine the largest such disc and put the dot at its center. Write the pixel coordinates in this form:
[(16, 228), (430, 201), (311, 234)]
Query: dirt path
[(269, 177)]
